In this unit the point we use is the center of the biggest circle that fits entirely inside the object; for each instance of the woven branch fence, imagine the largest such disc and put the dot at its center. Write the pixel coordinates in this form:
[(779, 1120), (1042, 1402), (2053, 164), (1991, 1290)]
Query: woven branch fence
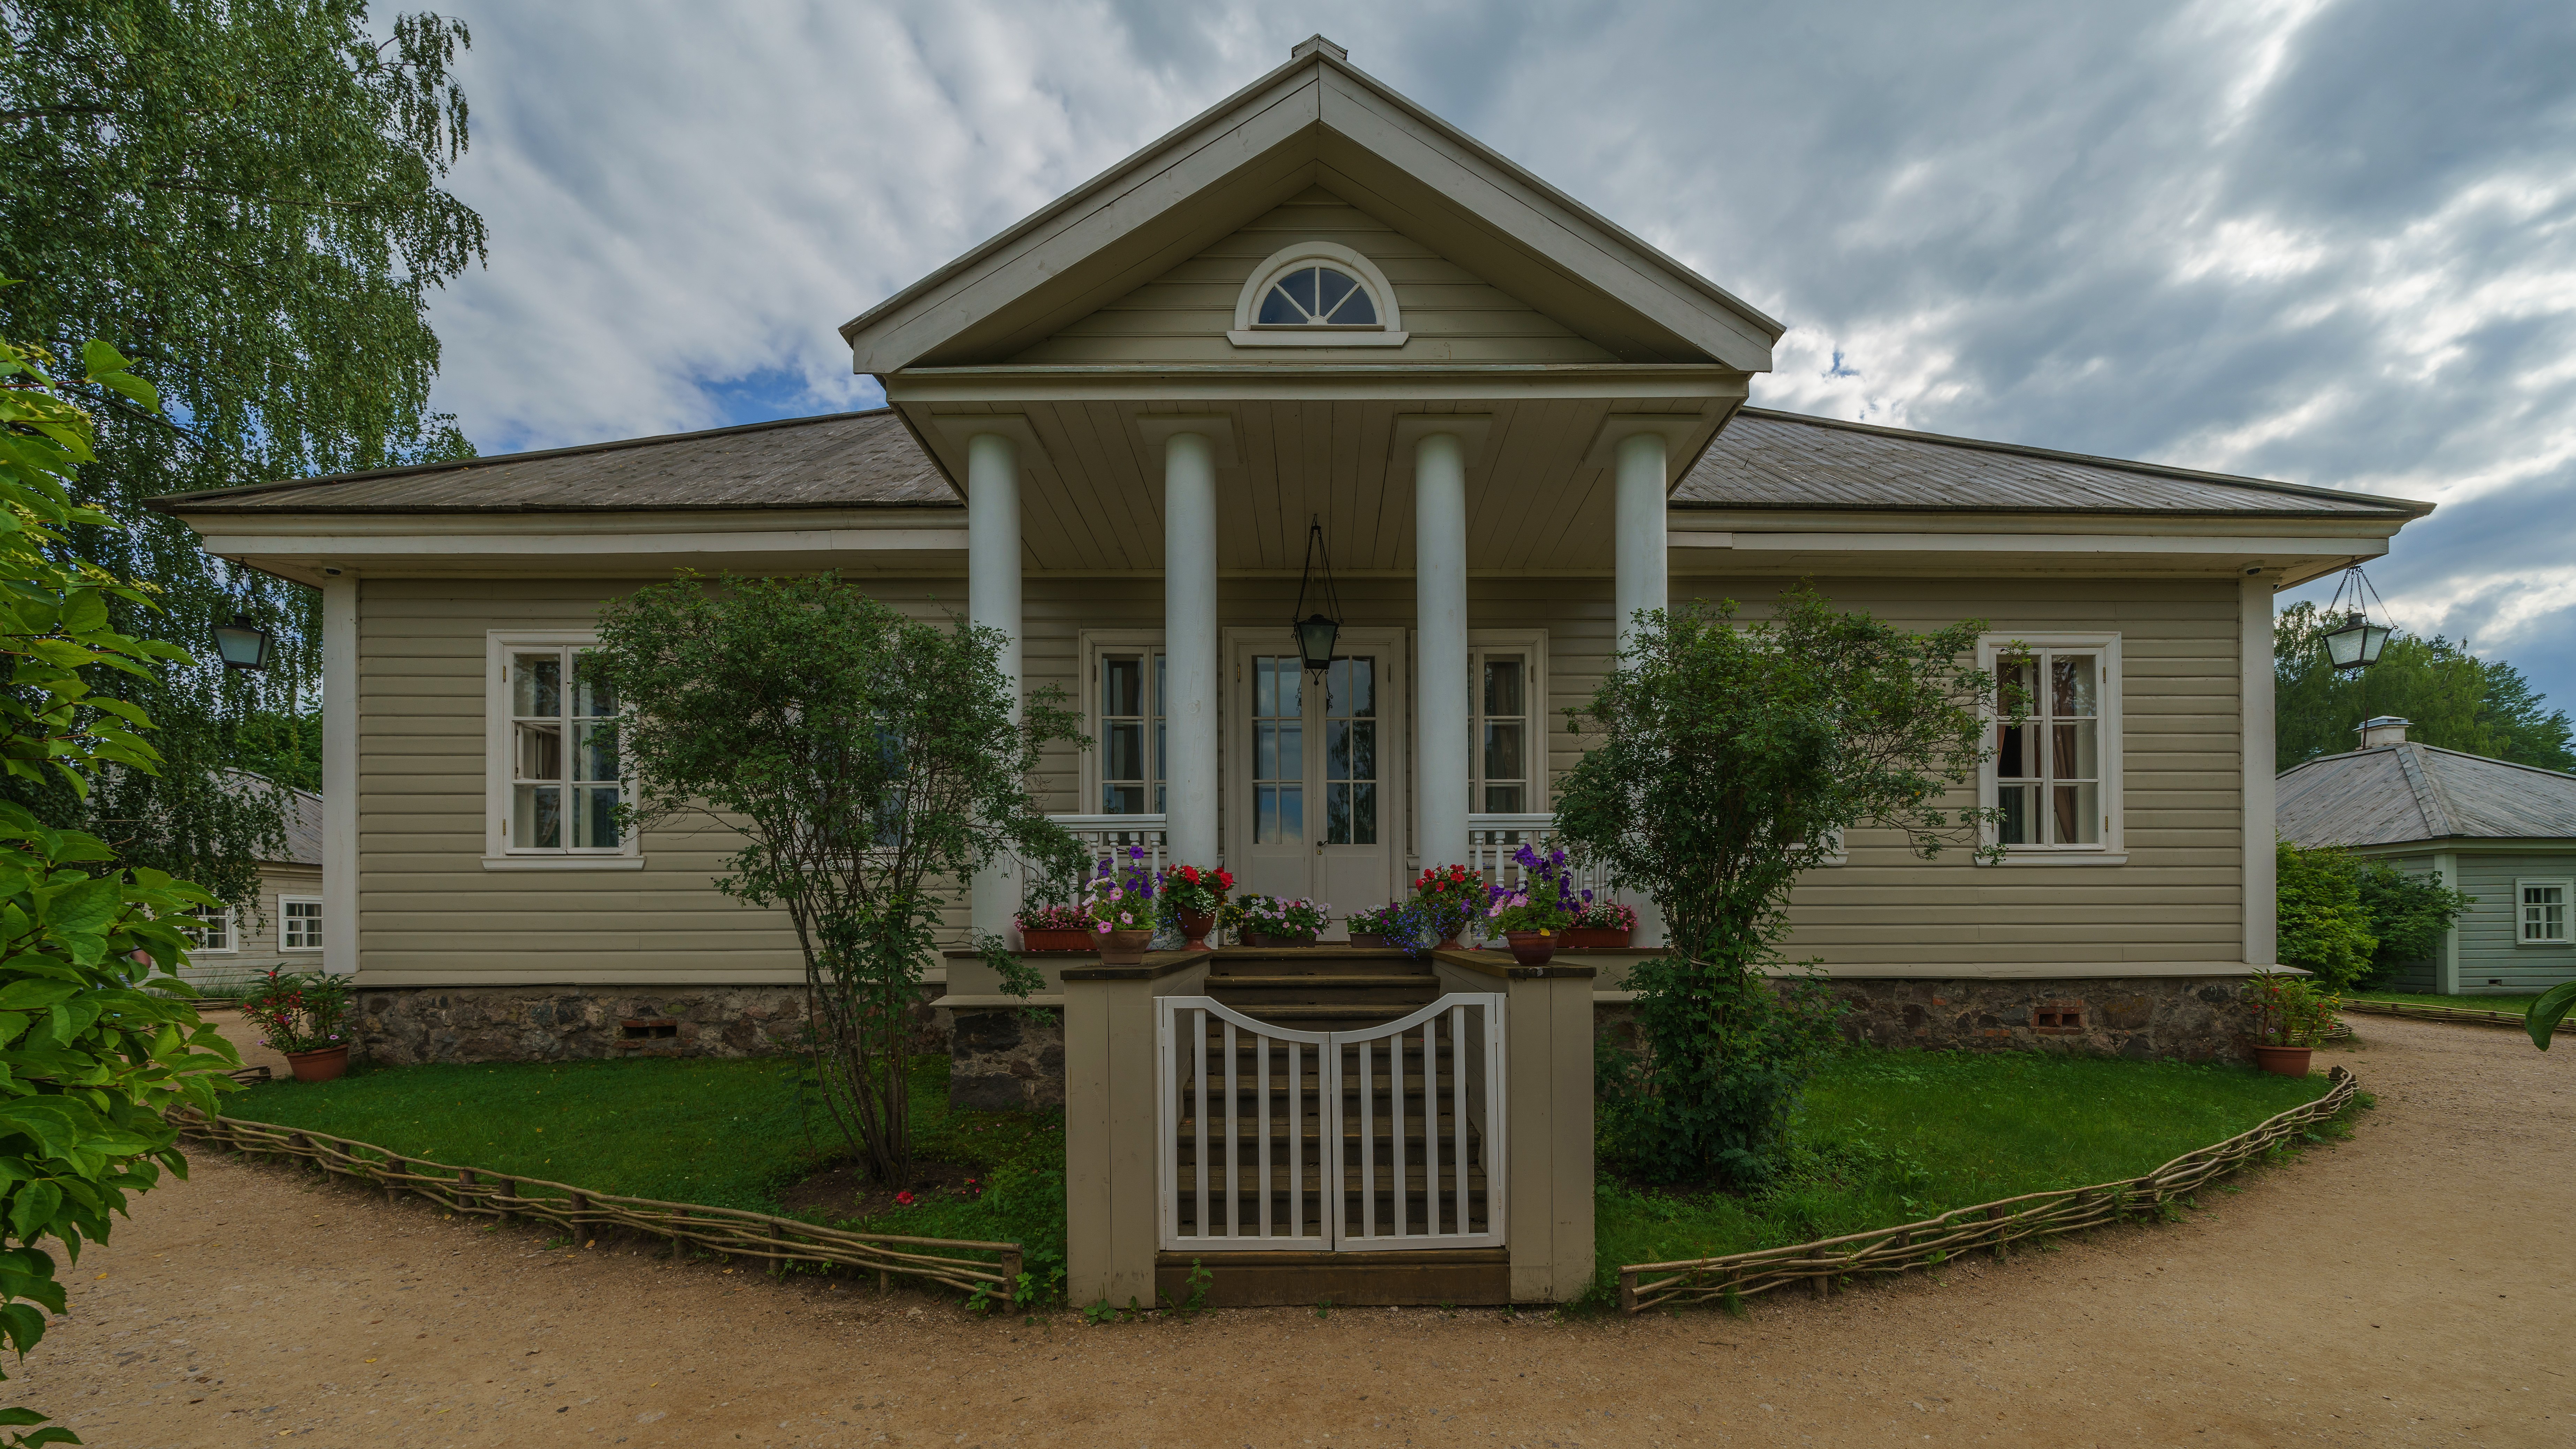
[(728, 1231), (1992, 1226), (2512, 1019)]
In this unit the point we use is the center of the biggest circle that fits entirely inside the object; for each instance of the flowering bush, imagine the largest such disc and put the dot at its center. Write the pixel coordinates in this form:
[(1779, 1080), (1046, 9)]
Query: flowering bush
[(1542, 901), (1604, 916), (1121, 897), (1054, 918), (1193, 890), (1447, 898), (1385, 920), (298, 1011), (1273, 916), (2290, 1010)]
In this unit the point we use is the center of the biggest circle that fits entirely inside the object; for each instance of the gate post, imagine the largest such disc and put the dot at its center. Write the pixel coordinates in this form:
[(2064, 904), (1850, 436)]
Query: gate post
[(1548, 1038), (1113, 1228)]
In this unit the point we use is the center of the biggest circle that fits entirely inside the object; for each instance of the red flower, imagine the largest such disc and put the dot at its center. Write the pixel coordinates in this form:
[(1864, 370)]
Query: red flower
[(1190, 873), (903, 1199)]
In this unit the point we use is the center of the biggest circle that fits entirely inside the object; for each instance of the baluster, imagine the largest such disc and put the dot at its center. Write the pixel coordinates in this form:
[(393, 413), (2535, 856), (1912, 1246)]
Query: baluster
[(1198, 1090), (1297, 1143), (1233, 1130), (1368, 1147), (1261, 1064), (1458, 1116), (1395, 1115)]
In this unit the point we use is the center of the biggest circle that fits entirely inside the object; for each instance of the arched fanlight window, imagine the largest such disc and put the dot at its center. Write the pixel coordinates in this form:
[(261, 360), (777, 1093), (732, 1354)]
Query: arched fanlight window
[(1317, 296)]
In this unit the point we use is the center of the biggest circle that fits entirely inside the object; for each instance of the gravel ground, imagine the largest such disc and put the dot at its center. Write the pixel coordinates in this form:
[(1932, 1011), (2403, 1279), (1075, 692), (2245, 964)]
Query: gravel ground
[(2378, 1292)]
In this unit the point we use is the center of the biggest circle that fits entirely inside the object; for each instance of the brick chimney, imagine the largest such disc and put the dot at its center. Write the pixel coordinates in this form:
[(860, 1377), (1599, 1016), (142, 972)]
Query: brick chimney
[(2386, 729)]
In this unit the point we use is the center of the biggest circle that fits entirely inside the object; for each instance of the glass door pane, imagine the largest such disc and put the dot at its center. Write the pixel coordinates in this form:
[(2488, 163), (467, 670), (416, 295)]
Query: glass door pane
[(1350, 752), (1278, 750)]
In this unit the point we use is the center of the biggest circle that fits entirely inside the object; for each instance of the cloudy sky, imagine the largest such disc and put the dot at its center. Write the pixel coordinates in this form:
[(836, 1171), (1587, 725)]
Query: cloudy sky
[(2327, 242)]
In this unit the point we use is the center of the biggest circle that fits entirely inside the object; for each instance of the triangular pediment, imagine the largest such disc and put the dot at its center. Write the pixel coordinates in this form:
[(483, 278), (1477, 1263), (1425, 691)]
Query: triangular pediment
[(1315, 127)]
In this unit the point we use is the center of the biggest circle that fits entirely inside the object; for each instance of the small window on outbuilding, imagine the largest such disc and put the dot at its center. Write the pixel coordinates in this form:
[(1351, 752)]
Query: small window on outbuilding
[(2543, 908)]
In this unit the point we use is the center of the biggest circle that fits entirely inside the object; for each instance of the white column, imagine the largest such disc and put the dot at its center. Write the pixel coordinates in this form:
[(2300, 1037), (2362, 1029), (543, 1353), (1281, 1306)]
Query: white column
[(1642, 583), (1189, 648), (993, 601), (340, 776), (2254, 650), (1440, 598), (1638, 531)]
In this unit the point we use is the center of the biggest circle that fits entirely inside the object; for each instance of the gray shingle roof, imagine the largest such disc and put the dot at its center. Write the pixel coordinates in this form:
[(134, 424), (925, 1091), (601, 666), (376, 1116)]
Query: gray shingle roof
[(303, 816), (1763, 459), (836, 461), (2392, 794), (1767, 459)]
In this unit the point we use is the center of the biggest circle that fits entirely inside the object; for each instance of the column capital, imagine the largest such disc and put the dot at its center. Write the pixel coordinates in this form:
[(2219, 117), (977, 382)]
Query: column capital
[(1678, 430), (1158, 430), (1405, 440)]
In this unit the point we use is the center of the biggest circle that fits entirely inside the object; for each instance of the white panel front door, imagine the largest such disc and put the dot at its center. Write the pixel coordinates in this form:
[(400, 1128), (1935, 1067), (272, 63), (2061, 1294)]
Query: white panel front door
[(1317, 794)]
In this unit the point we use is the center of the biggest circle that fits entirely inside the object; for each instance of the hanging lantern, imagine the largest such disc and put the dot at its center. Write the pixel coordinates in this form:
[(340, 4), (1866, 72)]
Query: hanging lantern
[(1317, 631), (2355, 643), (243, 644)]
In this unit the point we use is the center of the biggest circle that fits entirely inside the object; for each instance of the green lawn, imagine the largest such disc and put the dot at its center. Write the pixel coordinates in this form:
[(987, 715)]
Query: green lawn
[(1890, 1137), (2515, 1001), (1884, 1137)]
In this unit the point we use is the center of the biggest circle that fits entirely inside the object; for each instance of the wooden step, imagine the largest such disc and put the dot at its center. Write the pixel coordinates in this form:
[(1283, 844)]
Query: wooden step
[(1336, 980)]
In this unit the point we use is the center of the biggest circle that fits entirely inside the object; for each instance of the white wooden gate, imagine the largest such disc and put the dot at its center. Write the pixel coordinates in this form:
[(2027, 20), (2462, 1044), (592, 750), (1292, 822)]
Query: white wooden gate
[(1348, 1141)]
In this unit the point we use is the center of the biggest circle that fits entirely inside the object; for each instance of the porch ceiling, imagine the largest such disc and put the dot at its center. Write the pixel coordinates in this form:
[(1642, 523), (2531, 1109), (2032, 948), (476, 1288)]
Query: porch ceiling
[(1536, 501)]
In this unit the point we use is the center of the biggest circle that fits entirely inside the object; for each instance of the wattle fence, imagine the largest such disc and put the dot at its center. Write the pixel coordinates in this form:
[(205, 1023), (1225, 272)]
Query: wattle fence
[(2422, 1012), (1993, 1226), (728, 1231)]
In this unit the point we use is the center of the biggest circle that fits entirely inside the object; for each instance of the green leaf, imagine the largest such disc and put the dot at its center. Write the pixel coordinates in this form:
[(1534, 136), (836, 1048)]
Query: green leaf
[(2544, 1014), (35, 994)]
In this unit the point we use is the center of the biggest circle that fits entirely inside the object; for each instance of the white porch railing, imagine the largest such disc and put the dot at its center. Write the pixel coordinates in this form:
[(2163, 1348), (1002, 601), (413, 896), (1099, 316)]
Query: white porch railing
[(1349, 1141), (1108, 837), (1493, 841)]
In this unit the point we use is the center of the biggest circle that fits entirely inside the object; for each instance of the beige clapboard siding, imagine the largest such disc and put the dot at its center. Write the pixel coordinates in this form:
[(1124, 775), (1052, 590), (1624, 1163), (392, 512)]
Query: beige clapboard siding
[(1450, 314), (428, 911), (2179, 897)]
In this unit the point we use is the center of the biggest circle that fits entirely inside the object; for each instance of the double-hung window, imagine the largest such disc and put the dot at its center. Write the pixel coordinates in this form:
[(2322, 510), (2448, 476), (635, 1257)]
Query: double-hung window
[(554, 777), (1507, 728), (2543, 912), (299, 923), (1127, 694), (2053, 776)]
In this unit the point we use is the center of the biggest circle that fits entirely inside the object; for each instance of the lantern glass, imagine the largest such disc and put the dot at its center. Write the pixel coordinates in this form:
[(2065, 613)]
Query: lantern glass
[(1315, 636), (2357, 644), (242, 644)]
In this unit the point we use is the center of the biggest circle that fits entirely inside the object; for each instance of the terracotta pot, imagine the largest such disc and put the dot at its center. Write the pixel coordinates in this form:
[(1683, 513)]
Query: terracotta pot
[(1531, 948), (2283, 1061), (1369, 940), (1593, 938), (1449, 943), (1055, 940), (325, 1065), (1195, 926), (1124, 948)]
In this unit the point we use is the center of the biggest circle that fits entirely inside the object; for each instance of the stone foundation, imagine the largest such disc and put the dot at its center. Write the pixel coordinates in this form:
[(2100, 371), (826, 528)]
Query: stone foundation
[(1002, 1059), (407, 1025)]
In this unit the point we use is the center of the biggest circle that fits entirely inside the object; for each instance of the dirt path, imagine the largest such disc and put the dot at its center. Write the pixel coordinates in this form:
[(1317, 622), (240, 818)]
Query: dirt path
[(2376, 1293)]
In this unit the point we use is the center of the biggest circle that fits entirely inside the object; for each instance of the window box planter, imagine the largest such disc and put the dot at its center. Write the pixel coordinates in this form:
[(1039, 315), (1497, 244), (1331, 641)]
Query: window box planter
[(1368, 940), (1057, 940), (1593, 938), (1258, 938)]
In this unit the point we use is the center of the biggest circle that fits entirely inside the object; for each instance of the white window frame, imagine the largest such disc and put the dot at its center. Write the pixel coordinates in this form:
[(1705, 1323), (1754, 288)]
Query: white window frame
[(1094, 644), (499, 853), (284, 917), (2566, 911), (1531, 644), (1387, 331), (2112, 850), (224, 915)]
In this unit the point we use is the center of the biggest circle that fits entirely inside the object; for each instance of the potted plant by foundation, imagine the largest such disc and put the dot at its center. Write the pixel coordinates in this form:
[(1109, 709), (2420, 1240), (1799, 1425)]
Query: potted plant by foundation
[(1120, 900), (2291, 1015), (1055, 928), (1599, 925), (1534, 907), (1279, 921), (1194, 899), (1371, 929), (298, 1013), (1445, 899)]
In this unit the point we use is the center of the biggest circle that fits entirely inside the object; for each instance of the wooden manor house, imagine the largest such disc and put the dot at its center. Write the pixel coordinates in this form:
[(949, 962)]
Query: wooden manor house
[(1109, 433)]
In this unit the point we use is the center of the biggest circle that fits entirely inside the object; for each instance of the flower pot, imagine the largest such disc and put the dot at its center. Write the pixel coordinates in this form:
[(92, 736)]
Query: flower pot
[(1124, 948), (1055, 940), (1369, 940), (1531, 948), (324, 1065), (1449, 943), (1593, 938), (1195, 926), (1283, 942), (2283, 1061)]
